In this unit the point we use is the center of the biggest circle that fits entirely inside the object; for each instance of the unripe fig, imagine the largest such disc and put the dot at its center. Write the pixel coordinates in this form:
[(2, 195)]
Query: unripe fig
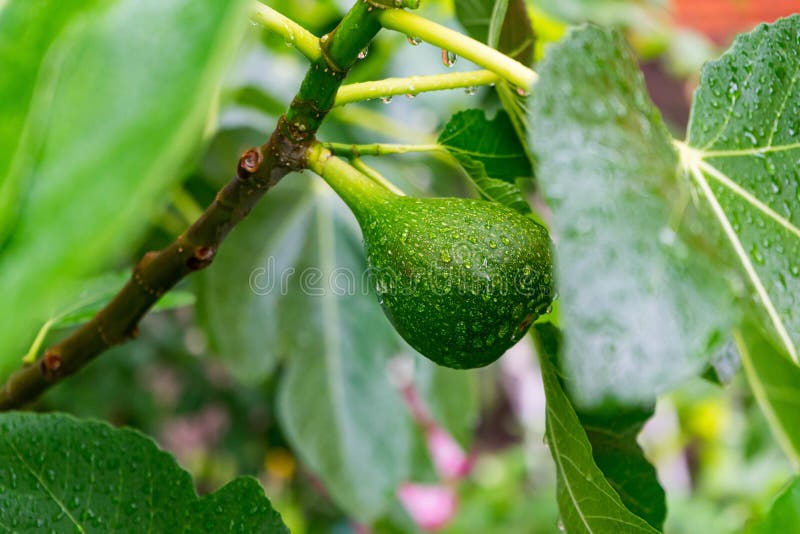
[(460, 279)]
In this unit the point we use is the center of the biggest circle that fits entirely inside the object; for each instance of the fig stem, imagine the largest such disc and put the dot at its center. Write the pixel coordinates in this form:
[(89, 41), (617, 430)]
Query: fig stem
[(357, 190), (379, 149), (458, 43), (413, 85), (295, 35)]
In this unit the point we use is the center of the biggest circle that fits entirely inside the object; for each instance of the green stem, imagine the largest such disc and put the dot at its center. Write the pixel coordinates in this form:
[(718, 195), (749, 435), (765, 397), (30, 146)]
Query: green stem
[(413, 85), (294, 34), (445, 38), (340, 51), (410, 4), (376, 176), (378, 149), (358, 191)]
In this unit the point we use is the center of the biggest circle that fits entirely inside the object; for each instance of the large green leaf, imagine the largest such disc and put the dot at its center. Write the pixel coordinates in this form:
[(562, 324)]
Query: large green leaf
[(490, 153), (586, 500), (101, 104), (336, 404), (452, 397), (618, 455), (470, 135), (292, 279), (641, 312), (249, 285), (60, 474), (741, 156), (775, 383), (784, 516)]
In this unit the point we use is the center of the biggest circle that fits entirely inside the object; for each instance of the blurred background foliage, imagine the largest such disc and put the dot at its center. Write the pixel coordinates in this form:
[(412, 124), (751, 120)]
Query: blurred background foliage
[(229, 385)]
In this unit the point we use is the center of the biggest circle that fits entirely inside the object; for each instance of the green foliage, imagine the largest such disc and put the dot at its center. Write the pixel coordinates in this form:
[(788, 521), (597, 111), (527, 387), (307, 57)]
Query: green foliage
[(336, 404), (61, 474), (784, 516), (744, 137), (665, 250), (773, 380), (491, 154), (587, 501), (469, 136), (101, 116), (620, 458), (299, 295), (629, 286)]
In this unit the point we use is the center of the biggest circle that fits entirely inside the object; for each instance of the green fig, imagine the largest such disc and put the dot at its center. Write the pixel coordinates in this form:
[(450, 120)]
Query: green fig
[(460, 279)]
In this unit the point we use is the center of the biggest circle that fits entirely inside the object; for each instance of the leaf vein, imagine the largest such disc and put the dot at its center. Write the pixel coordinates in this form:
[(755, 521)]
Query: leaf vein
[(697, 174), (42, 484)]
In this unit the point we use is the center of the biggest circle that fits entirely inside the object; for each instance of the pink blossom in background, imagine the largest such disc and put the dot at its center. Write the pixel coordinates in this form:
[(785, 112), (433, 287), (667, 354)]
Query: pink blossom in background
[(197, 432), (450, 460), (431, 506)]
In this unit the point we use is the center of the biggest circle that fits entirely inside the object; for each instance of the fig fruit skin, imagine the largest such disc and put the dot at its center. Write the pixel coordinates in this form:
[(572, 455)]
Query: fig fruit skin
[(460, 279)]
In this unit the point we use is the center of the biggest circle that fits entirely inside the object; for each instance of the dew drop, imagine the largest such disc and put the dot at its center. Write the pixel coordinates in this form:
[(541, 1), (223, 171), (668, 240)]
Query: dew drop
[(756, 255), (364, 53), (471, 90), (386, 99), (448, 58), (413, 41)]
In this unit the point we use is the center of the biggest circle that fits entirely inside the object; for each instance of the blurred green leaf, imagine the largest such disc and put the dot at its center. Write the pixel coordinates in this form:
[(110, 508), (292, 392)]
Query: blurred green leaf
[(629, 285), (103, 103), (784, 516), (254, 282), (99, 291), (490, 153), (336, 404), (95, 295), (775, 383), (61, 474), (743, 146), (587, 501), (621, 459), (292, 279), (452, 397)]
